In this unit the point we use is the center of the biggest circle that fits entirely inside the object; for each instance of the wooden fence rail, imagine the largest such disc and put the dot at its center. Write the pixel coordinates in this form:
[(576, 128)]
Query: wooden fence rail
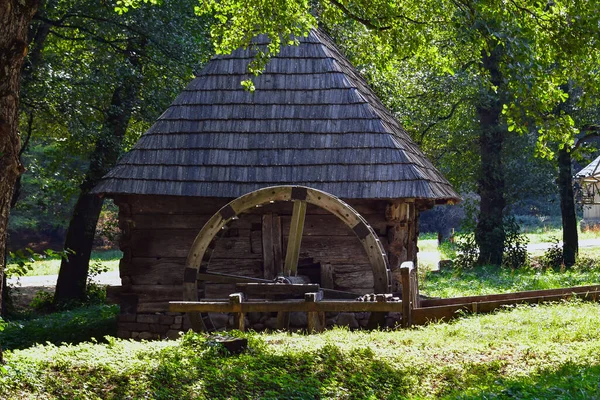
[(415, 311)]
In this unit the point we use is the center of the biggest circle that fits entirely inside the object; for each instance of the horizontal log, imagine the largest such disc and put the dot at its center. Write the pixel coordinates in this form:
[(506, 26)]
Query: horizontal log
[(157, 274), (217, 277), (333, 249), (147, 204), (363, 278), (148, 293), (363, 207), (330, 225), (158, 306), (218, 290), (251, 268), (424, 315), (272, 289), (177, 243), (169, 221), (286, 306), (508, 296)]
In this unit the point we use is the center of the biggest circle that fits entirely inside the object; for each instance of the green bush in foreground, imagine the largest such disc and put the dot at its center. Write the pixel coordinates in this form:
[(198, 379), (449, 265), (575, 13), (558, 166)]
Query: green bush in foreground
[(550, 351)]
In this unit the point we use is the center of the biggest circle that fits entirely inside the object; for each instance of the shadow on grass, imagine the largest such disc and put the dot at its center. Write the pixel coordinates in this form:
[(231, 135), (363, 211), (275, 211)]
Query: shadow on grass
[(198, 368), (329, 372), (73, 326)]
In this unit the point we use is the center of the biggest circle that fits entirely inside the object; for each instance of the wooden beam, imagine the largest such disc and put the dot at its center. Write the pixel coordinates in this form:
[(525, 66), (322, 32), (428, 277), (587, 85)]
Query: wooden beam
[(277, 245), (239, 317), (407, 273), (273, 289), (285, 306), (295, 238), (267, 246), (508, 296), (217, 277), (447, 312)]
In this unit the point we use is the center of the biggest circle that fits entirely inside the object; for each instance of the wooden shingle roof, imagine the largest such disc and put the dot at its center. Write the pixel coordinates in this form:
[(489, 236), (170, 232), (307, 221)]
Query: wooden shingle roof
[(312, 120), (591, 173)]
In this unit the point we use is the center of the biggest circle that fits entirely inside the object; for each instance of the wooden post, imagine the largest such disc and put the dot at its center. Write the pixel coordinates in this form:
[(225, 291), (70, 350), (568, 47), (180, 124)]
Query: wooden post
[(316, 320), (409, 292), (295, 238), (267, 246), (239, 318), (271, 245), (283, 320), (277, 245)]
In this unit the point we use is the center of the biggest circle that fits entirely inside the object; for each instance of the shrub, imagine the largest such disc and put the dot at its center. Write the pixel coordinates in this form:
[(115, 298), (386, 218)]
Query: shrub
[(515, 245), (467, 252)]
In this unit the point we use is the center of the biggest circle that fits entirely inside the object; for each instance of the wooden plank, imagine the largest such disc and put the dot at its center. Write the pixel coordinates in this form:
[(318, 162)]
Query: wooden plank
[(277, 242), (287, 306), (333, 249), (267, 246), (352, 279), (256, 244), (295, 239), (327, 277), (276, 289), (424, 315), (509, 296)]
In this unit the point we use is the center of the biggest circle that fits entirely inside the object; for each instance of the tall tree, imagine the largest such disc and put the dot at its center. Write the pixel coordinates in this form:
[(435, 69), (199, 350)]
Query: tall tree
[(15, 16), (102, 79), (507, 48)]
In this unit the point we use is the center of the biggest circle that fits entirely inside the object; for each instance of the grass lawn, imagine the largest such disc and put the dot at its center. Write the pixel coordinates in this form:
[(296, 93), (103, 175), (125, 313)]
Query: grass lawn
[(50, 266), (549, 351), (542, 352)]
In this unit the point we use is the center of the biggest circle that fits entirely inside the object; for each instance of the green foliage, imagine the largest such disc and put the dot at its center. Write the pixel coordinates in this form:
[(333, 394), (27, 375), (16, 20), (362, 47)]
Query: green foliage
[(72, 326), (448, 250), (544, 351), (20, 263), (467, 251), (515, 245), (553, 256), (50, 264)]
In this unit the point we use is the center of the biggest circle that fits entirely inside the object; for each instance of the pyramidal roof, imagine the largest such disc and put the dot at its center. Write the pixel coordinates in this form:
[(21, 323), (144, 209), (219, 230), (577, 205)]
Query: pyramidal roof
[(312, 120), (591, 172)]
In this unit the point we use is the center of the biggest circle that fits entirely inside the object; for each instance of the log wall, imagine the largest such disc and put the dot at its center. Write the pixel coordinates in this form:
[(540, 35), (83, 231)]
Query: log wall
[(158, 231)]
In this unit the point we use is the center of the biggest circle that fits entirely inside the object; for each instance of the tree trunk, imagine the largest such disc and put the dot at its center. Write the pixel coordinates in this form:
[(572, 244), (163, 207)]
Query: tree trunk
[(72, 277), (15, 16), (489, 232), (567, 207)]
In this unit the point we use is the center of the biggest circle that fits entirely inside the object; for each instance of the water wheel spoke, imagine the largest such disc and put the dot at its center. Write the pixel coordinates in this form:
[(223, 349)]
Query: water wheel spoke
[(295, 238)]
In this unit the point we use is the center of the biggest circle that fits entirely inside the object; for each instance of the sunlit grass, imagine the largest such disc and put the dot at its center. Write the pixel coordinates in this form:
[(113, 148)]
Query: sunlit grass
[(525, 352), (50, 266)]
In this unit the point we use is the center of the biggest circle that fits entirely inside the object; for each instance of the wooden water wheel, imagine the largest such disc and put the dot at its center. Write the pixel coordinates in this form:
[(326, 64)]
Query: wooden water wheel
[(201, 249)]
